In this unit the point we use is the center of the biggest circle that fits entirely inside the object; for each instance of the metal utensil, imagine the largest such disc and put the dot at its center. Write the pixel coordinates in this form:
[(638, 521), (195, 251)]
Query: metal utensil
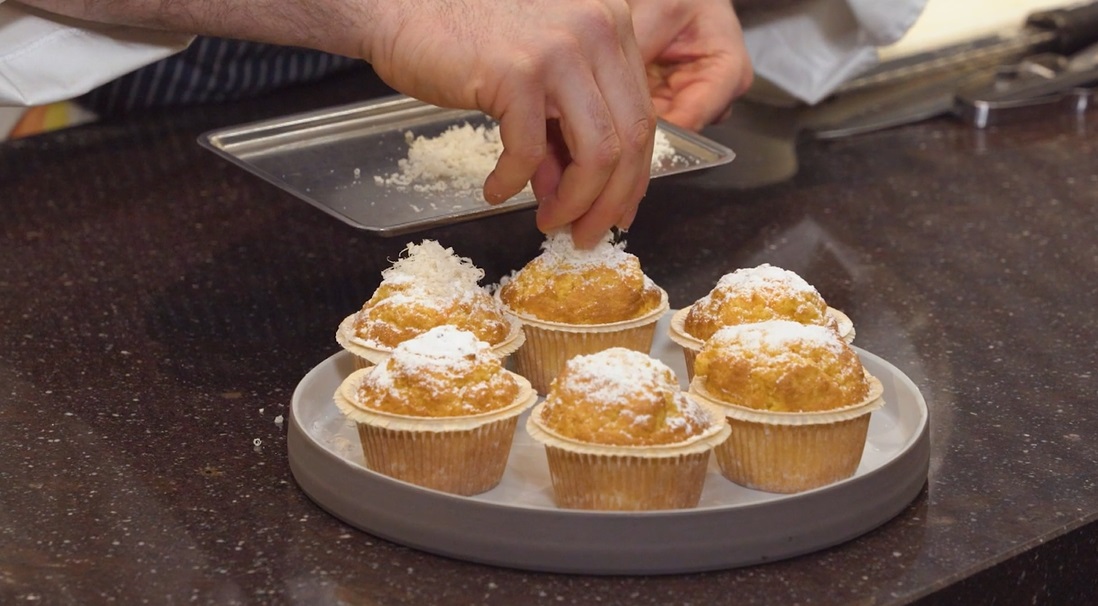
[(1031, 87), (930, 85), (1063, 31)]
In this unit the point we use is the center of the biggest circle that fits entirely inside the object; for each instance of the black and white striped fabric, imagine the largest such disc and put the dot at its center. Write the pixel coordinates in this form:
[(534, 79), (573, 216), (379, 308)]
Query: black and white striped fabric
[(213, 70)]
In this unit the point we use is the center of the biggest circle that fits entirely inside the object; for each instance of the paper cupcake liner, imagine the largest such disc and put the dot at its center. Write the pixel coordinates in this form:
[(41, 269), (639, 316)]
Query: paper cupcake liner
[(371, 354), (584, 481), (792, 458), (691, 345), (458, 455), (676, 331), (549, 345), (460, 462), (844, 324), (788, 452), (627, 478)]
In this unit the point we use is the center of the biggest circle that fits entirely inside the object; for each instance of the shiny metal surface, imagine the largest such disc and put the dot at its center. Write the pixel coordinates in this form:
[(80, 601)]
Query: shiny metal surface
[(330, 159)]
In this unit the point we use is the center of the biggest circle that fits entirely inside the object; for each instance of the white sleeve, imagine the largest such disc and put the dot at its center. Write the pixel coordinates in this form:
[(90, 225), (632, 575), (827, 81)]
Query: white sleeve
[(46, 58), (811, 48)]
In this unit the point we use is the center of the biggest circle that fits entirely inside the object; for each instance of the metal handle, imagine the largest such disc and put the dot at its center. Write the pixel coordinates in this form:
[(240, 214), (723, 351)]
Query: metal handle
[(1076, 26)]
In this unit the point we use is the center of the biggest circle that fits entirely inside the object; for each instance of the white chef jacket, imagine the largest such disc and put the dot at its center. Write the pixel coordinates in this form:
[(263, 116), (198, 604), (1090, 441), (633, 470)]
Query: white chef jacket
[(808, 50), (46, 58)]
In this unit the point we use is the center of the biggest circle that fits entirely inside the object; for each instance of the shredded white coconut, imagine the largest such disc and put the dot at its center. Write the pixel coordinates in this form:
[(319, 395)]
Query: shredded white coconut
[(429, 264), (461, 158), (558, 250), (427, 276), (663, 150)]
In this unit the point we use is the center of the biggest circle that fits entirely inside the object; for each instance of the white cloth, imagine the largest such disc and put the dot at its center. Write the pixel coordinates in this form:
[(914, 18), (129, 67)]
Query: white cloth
[(811, 47), (46, 58)]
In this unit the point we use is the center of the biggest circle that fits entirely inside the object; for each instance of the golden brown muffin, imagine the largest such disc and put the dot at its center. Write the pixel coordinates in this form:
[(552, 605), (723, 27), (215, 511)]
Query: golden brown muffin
[(443, 372), (619, 434), (574, 286), (427, 287), (621, 397), (754, 295), (781, 366), (439, 411)]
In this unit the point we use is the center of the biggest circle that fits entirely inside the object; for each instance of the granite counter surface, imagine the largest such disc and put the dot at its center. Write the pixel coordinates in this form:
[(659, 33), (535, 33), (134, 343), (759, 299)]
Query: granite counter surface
[(158, 306)]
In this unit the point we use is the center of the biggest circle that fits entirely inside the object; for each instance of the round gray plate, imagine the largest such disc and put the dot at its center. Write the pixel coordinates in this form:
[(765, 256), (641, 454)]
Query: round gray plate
[(517, 525)]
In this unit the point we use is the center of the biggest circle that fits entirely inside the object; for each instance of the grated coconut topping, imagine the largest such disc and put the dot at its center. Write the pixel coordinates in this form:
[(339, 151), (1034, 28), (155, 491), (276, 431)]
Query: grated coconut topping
[(558, 249), (461, 158), (429, 264)]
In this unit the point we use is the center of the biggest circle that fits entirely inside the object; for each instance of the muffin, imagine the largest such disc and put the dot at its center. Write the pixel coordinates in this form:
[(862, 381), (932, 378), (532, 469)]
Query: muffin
[(620, 434), (798, 401), (429, 286), (572, 301), (440, 411), (750, 295)]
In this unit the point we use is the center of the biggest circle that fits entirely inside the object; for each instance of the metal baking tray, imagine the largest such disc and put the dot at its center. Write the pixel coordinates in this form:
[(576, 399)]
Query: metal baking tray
[(329, 158), (517, 525)]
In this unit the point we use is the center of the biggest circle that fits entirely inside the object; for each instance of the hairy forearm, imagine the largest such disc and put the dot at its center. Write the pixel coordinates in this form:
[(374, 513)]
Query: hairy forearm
[(330, 26)]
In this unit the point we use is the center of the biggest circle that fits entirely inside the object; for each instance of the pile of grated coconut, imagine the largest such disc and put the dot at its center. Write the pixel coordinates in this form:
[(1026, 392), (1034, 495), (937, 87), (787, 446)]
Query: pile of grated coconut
[(461, 157)]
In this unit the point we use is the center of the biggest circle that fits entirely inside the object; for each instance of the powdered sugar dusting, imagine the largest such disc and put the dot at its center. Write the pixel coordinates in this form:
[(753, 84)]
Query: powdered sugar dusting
[(615, 373), (778, 337), (442, 345), (611, 376), (764, 278), (445, 351)]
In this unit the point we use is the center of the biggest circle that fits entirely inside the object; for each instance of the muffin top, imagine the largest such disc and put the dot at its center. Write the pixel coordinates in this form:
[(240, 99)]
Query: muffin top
[(620, 397), (443, 372), (575, 286), (781, 366), (756, 294), (429, 286)]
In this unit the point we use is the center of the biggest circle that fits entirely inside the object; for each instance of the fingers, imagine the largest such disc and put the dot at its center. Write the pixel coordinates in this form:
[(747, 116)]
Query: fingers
[(608, 172), (608, 124), (522, 131), (696, 73), (546, 178), (704, 100)]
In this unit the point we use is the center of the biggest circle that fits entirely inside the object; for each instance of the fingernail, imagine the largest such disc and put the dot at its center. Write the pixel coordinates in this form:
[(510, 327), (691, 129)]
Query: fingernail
[(627, 219)]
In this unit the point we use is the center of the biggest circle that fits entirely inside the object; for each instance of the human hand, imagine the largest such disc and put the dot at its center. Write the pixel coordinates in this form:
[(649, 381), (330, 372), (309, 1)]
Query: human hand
[(564, 78), (696, 60)]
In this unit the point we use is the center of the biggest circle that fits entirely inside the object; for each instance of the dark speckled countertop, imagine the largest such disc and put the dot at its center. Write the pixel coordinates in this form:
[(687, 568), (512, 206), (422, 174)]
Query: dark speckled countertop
[(159, 305)]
